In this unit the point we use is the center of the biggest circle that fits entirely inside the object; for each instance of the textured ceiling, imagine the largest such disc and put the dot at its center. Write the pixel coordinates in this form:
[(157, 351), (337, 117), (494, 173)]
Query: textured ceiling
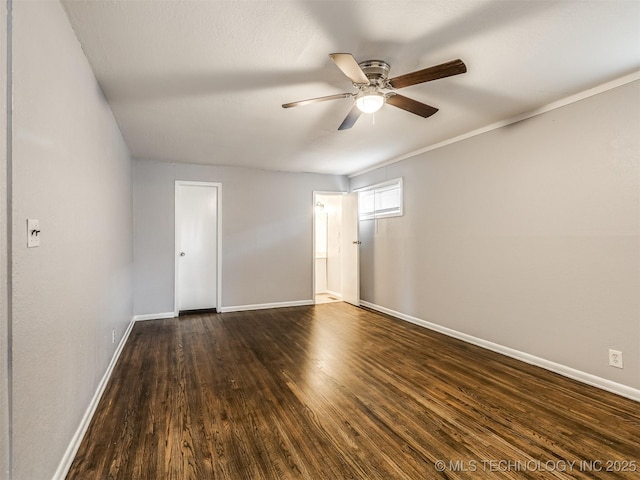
[(203, 81)]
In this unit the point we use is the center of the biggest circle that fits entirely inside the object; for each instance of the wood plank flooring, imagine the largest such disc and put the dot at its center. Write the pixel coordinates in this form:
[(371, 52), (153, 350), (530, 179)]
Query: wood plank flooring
[(336, 392)]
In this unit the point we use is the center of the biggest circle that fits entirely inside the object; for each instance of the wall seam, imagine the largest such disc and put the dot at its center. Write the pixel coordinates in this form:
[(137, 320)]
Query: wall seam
[(9, 212)]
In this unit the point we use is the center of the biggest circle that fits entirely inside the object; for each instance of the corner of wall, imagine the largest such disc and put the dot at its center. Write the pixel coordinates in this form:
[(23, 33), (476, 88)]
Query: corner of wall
[(5, 239)]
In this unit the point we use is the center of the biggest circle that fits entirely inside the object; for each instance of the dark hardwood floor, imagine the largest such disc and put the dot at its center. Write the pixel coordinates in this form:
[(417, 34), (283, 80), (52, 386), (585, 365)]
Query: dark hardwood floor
[(337, 392)]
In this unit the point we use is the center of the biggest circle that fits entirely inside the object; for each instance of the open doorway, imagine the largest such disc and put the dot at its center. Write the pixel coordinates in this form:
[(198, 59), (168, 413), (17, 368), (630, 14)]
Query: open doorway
[(335, 273), (327, 248)]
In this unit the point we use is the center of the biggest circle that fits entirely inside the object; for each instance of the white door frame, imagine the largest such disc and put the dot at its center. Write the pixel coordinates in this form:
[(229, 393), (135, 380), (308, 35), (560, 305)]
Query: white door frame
[(313, 238), (176, 254)]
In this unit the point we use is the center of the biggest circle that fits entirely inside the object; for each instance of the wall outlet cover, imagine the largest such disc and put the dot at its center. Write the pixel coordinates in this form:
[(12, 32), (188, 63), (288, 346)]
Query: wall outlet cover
[(615, 358)]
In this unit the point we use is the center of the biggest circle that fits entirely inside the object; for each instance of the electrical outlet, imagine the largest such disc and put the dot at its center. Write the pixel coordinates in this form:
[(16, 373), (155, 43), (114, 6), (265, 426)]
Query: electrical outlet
[(615, 358), (113, 336)]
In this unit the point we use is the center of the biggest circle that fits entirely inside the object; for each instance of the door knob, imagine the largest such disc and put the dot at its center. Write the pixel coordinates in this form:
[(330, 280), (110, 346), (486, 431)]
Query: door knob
[(357, 242), (182, 254)]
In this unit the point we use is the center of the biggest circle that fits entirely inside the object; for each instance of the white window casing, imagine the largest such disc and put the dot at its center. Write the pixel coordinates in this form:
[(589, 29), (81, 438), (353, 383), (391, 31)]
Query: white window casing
[(381, 200)]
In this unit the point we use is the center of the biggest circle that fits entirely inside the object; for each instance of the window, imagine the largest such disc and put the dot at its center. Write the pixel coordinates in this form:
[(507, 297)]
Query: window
[(381, 200)]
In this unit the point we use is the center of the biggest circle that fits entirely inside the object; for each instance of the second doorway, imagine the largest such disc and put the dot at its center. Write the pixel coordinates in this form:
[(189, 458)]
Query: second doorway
[(335, 245)]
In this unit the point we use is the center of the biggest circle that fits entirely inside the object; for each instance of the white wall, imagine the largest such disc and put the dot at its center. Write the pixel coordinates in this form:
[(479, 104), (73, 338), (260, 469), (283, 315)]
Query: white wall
[(321, 240), (267, 221), (329, 268), (72, 171), (527, 236), (334, 255), (4, 382)]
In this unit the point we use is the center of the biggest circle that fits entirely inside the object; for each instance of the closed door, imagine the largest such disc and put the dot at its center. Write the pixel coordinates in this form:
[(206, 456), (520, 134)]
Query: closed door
[(196, 246), (350, 250)]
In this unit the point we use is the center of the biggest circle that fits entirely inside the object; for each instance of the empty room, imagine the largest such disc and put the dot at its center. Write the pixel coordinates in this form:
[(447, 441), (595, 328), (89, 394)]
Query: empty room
[(316, 239)]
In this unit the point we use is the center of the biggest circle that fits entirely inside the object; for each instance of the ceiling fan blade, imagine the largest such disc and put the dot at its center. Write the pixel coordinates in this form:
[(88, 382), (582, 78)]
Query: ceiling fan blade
[(316, 100), (350, 119), (454, 67), (410, 105), (349, 67)]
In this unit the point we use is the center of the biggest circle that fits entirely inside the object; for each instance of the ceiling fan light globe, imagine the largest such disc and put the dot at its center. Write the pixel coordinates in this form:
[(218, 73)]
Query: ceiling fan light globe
[(370, 102)]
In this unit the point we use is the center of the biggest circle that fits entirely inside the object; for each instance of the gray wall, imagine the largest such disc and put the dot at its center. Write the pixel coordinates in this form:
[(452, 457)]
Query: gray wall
[(4, 383), (267, 243), (72, 171), (527, 236)]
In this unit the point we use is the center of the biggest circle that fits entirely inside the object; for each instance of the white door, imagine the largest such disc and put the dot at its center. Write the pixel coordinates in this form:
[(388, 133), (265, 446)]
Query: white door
[(196, 246), (350, 250)]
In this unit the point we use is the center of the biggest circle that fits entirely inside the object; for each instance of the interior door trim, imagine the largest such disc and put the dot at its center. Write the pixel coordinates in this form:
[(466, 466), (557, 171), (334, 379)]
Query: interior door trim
[(218, 185)]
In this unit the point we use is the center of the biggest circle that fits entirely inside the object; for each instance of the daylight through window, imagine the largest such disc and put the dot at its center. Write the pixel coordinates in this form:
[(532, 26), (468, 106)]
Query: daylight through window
[(381, 200)]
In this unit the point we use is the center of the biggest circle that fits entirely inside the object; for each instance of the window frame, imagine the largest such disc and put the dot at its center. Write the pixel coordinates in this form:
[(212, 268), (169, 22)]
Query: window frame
[(376, 214)]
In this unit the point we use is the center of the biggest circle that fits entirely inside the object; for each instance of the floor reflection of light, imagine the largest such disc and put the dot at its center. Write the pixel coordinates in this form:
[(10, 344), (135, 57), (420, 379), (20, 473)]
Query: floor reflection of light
[(329, 350)]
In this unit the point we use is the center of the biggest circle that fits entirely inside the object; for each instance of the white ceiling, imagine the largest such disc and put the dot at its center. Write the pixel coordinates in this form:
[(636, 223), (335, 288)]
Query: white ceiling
[(203, 81)]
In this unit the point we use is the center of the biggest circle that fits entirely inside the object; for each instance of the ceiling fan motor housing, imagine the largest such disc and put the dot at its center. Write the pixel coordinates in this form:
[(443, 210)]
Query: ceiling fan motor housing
[(376, 71)]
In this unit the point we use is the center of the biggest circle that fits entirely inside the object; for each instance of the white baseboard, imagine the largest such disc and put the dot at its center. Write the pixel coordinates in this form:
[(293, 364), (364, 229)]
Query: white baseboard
[(262, 306), (599, 382), (72, 449), (237, 308), (154, 316)]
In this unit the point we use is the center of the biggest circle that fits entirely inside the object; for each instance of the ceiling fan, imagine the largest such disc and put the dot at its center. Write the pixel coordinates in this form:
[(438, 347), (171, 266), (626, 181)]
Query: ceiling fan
[(371, 78)]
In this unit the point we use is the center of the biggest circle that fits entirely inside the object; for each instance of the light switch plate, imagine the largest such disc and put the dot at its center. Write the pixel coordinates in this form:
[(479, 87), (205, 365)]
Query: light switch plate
[(33, 232)]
